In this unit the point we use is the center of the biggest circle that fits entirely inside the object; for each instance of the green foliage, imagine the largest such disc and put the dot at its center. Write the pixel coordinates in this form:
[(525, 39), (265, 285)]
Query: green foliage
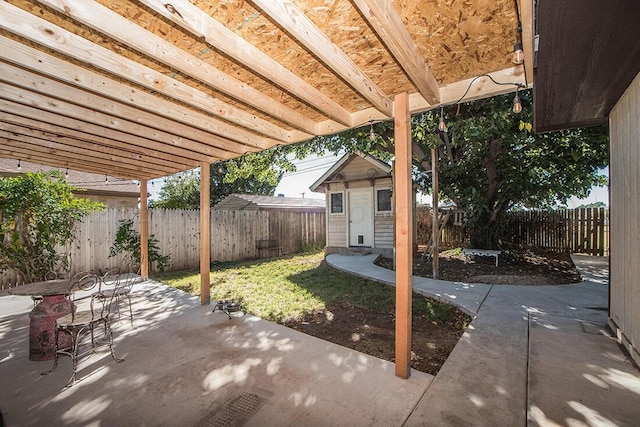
[(256, 173), (38, 214), (127, 241), (489, 161)]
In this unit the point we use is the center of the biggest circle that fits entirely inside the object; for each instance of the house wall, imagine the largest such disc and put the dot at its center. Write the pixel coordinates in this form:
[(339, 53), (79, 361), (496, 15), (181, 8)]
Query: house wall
[(624, 309), (119, 202)]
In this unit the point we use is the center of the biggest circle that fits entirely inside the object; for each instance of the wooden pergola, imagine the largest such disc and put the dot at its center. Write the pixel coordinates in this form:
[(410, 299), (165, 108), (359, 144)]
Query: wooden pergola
[(144, 89)]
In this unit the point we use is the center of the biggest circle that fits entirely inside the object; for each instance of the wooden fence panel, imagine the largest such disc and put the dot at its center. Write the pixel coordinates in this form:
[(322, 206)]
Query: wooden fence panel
[(233, 236), (583, 230)]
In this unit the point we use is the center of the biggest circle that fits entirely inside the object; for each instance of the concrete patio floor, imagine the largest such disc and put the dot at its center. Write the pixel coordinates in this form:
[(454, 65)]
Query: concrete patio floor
[(532, 355)]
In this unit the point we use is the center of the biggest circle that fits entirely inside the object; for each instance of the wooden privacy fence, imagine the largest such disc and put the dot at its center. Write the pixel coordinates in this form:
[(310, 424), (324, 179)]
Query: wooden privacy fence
[(582, 230), (233, 236)]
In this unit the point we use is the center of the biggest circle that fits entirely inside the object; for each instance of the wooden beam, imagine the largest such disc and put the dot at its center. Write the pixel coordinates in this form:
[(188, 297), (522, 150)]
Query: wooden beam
[(40, 62), (480, 88), (144, 231), (62, 162), (45, 146), (205, 234), (404, 234), (435, 218), (27, 80), (199, 151), (194, 20), (121, 29), (294, 21), (84, 147), (526, 17), (387, 24), (94, 135)]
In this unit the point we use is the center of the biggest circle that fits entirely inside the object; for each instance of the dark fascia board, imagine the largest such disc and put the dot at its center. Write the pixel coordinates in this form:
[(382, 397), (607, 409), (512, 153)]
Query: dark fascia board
[(588, 54)]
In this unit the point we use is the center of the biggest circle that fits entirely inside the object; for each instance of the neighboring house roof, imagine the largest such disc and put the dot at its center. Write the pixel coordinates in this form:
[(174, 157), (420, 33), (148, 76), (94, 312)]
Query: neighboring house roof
[(258, 202), (94, 184), (378, 169)]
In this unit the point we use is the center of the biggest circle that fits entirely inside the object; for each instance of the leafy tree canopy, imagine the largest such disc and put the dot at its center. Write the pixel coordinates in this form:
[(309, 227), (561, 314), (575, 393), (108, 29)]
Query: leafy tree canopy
[(38, 213), (489, 159), (256, 173)]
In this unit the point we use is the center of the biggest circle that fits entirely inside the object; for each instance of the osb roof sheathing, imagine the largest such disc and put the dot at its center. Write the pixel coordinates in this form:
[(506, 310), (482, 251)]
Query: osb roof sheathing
[(197, 119)]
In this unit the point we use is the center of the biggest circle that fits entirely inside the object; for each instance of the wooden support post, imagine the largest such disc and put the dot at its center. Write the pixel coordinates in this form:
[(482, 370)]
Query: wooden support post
[(404, 234), (435, 229), (144, 231), (205, 234)]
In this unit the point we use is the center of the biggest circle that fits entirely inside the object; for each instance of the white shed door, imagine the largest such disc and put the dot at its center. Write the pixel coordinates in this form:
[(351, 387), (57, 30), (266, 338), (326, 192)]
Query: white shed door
[(360, 218)]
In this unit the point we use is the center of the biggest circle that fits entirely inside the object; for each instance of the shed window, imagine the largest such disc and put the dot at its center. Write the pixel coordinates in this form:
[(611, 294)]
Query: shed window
[(336, 203), (383, 200)]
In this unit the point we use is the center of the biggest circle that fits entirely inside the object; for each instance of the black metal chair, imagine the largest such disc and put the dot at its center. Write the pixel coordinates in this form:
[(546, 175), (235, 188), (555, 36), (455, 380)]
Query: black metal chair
[(80, 323)]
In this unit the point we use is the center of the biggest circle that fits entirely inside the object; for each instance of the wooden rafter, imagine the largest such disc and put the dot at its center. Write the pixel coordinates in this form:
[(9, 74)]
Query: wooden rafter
[(132, 35), (383, 18), (202, 25), (92, 136), (20, 77), (294, 21), (46, 34)]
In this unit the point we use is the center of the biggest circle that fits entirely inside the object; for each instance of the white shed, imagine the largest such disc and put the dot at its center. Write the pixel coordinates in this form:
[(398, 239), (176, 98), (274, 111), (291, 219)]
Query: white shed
[(359, 205)]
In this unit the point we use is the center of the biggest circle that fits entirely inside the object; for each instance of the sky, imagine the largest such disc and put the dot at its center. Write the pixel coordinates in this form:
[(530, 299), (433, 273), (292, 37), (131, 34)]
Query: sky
[(296, 184)]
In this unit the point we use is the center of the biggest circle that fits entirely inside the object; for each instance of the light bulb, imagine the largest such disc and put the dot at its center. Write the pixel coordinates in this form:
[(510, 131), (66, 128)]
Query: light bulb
[(518, 53), (66, 174), (19, 165), (517, 106), (372, 134), (106, 179), (441, 124)]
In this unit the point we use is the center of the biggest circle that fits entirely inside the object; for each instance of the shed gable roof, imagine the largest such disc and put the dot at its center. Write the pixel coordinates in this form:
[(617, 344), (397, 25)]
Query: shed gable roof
[(353, 167)]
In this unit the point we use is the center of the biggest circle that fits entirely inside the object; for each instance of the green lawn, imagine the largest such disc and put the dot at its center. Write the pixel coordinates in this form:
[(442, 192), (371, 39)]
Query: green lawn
[(288, 287)]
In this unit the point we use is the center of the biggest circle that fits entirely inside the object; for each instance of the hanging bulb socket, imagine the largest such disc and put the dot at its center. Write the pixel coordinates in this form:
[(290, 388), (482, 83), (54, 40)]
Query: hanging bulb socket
[(518, 53), (517, 105), (442, 126)]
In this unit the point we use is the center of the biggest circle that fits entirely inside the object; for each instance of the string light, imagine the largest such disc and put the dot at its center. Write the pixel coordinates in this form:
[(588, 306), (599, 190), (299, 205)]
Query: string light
[(372, 134), (106, 179), (66, 174), (517, 106), (441, 124), (518, 53), (19, 165)]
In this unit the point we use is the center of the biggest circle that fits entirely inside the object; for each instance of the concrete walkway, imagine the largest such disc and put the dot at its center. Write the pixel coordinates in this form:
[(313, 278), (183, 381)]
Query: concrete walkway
[(533, 355)]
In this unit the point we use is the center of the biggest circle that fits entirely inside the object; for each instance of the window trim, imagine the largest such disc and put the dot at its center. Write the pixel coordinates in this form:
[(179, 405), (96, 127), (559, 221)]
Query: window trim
[(387, 212), (330, 210)]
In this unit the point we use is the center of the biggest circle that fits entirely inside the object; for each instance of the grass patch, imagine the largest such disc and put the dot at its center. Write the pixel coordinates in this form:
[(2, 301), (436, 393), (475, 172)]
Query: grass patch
[(290, 287)]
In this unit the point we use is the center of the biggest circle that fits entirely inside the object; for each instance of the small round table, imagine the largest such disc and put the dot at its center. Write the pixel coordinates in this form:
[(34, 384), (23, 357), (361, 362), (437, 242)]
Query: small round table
[(54, 304)]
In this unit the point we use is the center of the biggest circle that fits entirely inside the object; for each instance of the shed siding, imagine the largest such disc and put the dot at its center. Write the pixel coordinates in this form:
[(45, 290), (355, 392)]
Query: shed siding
[(384, 231), (337, 231), (624, 311)]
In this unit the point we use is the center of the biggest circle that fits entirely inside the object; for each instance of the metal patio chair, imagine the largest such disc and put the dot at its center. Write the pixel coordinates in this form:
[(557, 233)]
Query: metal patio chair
[(80, 323), (119, 286)]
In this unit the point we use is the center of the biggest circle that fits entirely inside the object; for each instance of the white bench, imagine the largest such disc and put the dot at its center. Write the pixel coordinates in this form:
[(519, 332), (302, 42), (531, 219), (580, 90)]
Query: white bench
[(481, 252)]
